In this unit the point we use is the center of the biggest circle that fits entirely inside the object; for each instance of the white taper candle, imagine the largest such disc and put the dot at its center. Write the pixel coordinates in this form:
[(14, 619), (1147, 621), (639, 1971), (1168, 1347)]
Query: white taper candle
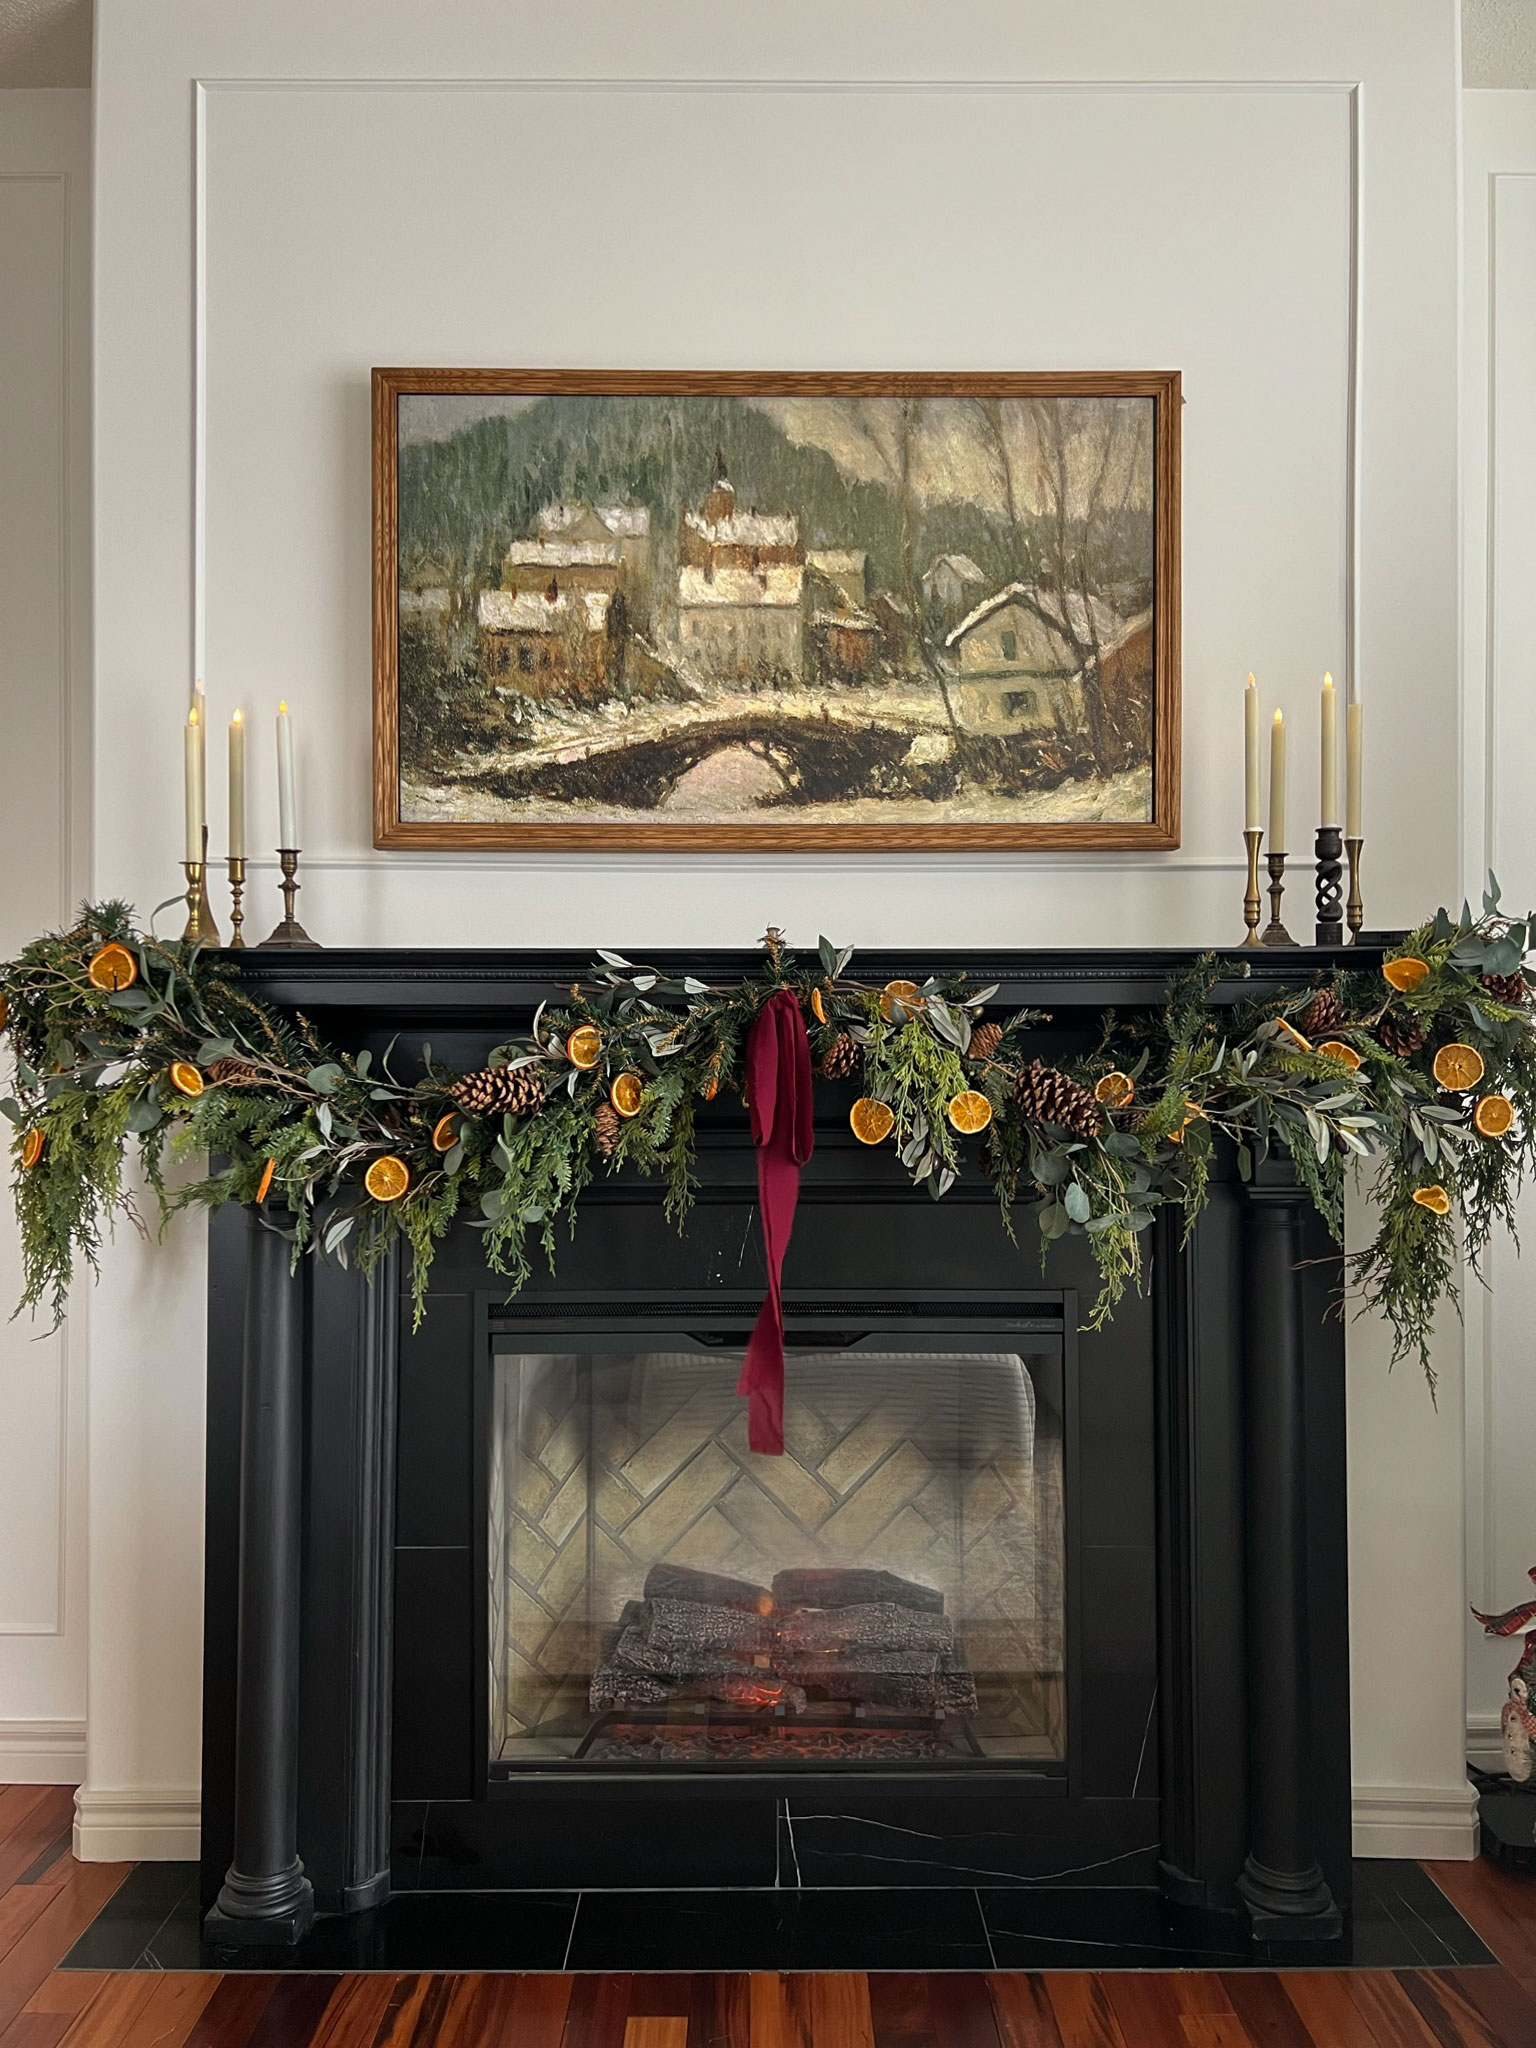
[(237, 786), (1253, 802), (1277, 785), (287, 820)]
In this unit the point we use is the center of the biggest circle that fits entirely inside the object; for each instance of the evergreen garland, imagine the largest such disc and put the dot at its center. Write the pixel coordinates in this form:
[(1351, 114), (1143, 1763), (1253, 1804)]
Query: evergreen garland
[(119, 1038)]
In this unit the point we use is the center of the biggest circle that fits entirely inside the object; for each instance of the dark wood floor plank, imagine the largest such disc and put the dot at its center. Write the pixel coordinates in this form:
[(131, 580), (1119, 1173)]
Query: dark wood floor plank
[(1268, 2015), (73, 1904), (835, 2007), (537, 2014), (290, 2016), (229, 2018), (1341, 2008), (719, 2013), (35, 2030), (1507, 2012), (1025, 2018), (598, 2012), (773, 2021), (1500, 1905), (899, 2011), (111, 2014), (351, 2018), (50, 1816), (1083, 2011), (19, 1908), (456, 2012), (661, 1994), (1197, 1991), (175, 2004), (68, 1991), (1452, 2022), (1145, 2008), (963, 2014), (655, 2030), (1215, 2030)]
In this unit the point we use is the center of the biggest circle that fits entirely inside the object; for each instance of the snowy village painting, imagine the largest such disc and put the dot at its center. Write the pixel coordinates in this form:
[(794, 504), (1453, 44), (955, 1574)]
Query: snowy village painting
[(799, 611)]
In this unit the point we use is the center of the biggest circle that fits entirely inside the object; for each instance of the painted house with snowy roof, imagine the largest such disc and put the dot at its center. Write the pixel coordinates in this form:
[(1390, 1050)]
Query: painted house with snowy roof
[(556, 642), (1018, 658), (625, 527), (740, 589)]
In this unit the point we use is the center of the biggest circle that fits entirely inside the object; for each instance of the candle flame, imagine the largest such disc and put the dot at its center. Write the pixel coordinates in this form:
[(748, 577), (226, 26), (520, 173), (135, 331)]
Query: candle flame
[(1251, 683), (1327, 680), (282, 708), (238, 719), (1279, 718), (192, 716)]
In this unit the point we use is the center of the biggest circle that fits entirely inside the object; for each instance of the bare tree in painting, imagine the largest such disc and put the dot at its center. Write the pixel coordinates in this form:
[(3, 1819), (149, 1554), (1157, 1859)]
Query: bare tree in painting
[(890, 427)]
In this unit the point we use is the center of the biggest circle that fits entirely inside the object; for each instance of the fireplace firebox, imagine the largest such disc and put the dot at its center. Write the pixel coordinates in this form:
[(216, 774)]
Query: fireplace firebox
[(1022, 1601)]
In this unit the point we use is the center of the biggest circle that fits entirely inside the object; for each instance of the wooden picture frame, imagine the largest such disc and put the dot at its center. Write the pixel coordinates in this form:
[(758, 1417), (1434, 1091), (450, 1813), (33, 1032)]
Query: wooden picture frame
[(772, 717)]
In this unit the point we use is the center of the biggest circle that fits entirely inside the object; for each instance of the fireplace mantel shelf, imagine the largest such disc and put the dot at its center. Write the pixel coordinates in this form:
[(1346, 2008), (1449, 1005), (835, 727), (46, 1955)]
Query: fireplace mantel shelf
[(464, 983)]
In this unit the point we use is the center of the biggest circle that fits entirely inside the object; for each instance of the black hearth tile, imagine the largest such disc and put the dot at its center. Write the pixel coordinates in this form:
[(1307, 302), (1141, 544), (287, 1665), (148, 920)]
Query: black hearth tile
[(883, 1929), (1421, 1913), (543, 1837), (130, 1920), (724, 1930), (993, 1841), (1047, 1928), (438, 1932)]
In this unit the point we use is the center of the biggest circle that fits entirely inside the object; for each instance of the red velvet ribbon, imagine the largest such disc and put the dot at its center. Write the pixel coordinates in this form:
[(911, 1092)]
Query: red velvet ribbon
[(779, 1097)]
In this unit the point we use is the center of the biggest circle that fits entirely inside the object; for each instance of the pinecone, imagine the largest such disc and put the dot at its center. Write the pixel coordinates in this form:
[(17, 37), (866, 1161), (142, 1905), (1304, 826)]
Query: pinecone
[(985, 1040), (1401, 1034), (606, 1127), (231, 1072), (1323, 1014), (517, 1091), (1048, 1096), (1513, 989), (842, 1058)]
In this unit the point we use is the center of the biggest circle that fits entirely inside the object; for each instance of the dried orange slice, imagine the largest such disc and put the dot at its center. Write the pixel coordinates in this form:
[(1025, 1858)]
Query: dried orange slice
[(1115, 1089), (584, 1047), (445, 1132), (32, 1147), (1406, 974), (186, 1079), (903, 992), (627, 1094), (1434, 1198), (112, 967), (1336, 1049), (871, 1122), (969, 1110), (1288, 1029), (1458, 1066), (1192, 1110), (1493, 1115), (818, 1006), (711, 1087), (264, 1185), (387, 1179)]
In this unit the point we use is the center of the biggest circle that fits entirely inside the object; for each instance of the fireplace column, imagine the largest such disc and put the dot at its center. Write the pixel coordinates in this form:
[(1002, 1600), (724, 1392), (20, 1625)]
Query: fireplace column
[(1282, 1886), (265, 1896)]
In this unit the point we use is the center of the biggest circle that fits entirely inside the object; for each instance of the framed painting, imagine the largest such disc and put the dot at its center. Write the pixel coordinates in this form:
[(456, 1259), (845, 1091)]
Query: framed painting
[(747, 610)]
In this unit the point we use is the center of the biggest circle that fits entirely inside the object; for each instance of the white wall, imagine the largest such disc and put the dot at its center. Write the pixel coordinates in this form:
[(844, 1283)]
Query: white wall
[(1499, 438), (1262, 198), (44, 820)]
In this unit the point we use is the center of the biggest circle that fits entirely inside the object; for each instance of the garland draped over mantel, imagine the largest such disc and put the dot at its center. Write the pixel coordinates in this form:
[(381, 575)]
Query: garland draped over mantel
[(1423, 1074)]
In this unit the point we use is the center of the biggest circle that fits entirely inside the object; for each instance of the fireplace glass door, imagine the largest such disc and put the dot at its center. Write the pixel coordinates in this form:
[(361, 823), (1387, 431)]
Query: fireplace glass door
[(891, 1591)]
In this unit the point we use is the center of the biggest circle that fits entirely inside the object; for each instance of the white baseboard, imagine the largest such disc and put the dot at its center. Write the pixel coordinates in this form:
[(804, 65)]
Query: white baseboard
[(1485, 1743), (132, 1826), (42, 1752), (1438, 1822)]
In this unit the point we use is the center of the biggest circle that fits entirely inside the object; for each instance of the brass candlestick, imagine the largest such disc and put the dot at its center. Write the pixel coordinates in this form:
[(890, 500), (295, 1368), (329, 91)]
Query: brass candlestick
[(289, 932), (200, 929), (1275, 933), (1329, 887), (1354, 909), (237, 900), (1253, 903)]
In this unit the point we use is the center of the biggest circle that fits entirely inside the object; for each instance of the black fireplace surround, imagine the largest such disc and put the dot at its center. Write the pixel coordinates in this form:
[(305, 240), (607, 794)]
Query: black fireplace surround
[(1183, 1723)]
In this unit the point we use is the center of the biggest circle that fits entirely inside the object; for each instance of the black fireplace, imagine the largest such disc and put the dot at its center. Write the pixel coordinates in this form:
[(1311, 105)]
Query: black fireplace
[(1022, 1601)]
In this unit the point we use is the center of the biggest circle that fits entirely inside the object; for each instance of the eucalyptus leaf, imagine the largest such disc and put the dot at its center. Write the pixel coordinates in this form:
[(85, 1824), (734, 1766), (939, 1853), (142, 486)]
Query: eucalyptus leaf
[(1078, 1204), (1054, 1221)]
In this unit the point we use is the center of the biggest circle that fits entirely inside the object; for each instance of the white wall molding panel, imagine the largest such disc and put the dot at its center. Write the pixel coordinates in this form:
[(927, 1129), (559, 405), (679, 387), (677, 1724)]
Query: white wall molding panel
[(44, 838), (289, 195), (1499, 828)]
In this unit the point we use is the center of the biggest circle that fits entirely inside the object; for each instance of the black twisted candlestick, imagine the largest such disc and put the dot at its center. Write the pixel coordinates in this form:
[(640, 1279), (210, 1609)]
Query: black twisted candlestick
[(1330, 886)]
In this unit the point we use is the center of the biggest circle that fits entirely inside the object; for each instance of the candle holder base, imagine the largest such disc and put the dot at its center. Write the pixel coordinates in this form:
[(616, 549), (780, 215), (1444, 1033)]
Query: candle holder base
[(1329, 887), (1275, 933), (288, 932)]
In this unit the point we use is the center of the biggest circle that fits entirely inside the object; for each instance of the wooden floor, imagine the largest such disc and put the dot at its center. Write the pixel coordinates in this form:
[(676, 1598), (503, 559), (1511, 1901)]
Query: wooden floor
[(47, 1898)]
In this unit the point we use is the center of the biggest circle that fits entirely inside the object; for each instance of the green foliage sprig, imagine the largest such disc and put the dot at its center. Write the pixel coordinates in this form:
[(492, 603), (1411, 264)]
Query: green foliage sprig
[(187, 1067)]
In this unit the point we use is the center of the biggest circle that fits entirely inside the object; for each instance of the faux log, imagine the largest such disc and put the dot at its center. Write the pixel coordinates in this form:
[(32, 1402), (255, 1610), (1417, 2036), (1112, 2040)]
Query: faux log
[(879, 1625), (711, 1589), (851, 1586), (680, 1626)]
